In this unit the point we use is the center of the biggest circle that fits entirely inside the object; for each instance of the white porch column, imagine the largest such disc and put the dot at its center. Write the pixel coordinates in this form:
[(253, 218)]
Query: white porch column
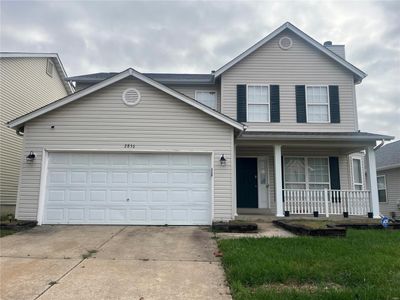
[(278, 179), (372, 181)]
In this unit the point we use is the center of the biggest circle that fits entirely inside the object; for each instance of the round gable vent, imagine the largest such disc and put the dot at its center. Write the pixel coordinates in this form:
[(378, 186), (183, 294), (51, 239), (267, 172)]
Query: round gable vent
[(285, 43), (131, 96)]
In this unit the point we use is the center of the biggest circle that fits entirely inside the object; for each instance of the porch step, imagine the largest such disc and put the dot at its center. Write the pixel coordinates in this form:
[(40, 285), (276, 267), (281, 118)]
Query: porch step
[(255, 215), (255, 211)]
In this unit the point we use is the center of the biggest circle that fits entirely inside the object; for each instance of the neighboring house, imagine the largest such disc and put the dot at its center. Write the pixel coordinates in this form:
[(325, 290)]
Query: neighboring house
[(27, 81), (269, 132), (388, 168)]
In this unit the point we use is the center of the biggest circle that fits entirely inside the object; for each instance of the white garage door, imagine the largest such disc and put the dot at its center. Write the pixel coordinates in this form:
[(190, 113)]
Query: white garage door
[(111, 188)]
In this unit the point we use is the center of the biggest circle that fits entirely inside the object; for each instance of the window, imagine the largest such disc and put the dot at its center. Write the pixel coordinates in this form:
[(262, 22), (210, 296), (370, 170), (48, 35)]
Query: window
[(382, 188), (257, 103), (49, 67), (306, 173), (208, 98), (317, 100), (357, 174)]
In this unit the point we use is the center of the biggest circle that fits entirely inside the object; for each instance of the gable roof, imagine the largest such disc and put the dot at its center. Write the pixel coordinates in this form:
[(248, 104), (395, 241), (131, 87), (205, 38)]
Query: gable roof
[(164, 78), (54, 56), (359, 75), (388, 156), (18, 122)]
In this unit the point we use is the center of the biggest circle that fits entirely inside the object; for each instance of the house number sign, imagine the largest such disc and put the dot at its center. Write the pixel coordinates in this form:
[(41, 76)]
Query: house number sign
[(131, 146)]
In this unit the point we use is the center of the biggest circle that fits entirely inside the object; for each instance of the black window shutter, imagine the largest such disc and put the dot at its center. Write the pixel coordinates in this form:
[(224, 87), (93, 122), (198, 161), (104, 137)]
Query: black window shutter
[(275, 109), (283, 179), (334, 103), (301, 104), (241, 102), (334, 172)]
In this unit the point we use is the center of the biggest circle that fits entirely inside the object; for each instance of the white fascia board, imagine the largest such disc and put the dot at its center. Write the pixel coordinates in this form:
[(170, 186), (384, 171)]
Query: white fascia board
[(305, 37), (22, 54), (129, 72), (320, 137), (384, 168)]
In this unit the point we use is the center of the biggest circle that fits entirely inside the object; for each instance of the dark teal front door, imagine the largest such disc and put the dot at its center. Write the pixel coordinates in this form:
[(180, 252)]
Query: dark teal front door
[(246, 183)]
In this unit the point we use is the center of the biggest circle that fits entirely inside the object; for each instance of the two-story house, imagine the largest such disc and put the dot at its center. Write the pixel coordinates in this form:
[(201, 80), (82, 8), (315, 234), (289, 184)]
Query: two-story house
[(27, 81), (271, 131)]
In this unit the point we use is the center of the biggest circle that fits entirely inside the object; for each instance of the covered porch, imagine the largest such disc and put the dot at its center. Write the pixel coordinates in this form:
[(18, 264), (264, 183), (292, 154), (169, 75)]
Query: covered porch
[(306, 174)]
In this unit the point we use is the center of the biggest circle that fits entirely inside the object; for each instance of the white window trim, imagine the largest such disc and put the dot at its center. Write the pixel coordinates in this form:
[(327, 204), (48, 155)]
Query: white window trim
[(307, 182), (207, 91), (384, 179), (50, 62), (329, 105), (247, 102), (361, 174)]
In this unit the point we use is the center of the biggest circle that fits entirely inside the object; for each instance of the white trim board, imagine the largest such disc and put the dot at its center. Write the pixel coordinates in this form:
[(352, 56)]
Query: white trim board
[(359, 74), (18, 122)]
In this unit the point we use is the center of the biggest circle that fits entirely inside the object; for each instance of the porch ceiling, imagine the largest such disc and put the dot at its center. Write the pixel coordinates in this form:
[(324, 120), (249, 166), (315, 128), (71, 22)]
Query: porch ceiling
[(345, 142)]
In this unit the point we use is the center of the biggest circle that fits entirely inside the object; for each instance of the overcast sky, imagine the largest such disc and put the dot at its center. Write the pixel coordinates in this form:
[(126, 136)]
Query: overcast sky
[(100, 36)]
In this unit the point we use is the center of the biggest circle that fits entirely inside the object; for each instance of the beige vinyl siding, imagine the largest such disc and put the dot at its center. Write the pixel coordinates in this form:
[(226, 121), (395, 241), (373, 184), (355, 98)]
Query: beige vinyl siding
[(300, 65), (24, 86), (252, 151), (101, 121), (189, 90), (392, 192)]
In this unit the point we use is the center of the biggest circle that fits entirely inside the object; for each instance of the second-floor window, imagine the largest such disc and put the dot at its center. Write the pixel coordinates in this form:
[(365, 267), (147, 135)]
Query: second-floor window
[(258, 106), (357, 174), (317, 100), (208, 98)]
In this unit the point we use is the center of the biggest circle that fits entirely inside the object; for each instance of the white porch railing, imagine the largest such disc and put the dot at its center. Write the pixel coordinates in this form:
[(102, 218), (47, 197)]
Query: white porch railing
[(326, 202)]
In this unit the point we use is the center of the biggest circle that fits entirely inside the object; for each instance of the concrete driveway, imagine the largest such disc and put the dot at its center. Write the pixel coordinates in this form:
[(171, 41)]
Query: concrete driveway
[(111, 262)]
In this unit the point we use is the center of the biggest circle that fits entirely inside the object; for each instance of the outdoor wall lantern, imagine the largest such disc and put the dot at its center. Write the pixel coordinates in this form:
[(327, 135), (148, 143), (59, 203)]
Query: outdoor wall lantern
[(222, 160), (31, 156)]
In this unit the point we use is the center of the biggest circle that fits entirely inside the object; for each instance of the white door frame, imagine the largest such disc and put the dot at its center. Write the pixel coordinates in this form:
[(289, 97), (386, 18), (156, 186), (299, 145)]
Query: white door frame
[(263, 202), (44, 169)]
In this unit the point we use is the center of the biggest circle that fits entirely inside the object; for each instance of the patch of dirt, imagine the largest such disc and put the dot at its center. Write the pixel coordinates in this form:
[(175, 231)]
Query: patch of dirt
[(306, 287)]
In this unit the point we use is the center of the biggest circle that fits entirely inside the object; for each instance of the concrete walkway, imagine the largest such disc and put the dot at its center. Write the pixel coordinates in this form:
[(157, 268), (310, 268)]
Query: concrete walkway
[(111, 262), (265, 229)]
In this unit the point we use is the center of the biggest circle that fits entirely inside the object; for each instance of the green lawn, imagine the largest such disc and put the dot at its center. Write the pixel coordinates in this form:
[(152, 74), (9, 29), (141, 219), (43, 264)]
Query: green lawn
[(5, 232), (364, 265)]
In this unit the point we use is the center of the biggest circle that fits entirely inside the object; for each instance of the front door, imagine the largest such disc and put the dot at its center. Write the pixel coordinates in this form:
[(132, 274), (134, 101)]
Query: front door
[(246, 183)]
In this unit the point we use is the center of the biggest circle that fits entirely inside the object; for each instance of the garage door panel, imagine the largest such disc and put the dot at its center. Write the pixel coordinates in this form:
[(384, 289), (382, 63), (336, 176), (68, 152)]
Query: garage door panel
[(119, 196), (179, 196), (154, 189), (117, 214), (55, 195), (55, 215), (118, 177), (77, 195), (140, 177), (98, 177), (80, 159), (159, 178), (58, 177), (97, 195), (139, 196), (96, 215), (76, 215)]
